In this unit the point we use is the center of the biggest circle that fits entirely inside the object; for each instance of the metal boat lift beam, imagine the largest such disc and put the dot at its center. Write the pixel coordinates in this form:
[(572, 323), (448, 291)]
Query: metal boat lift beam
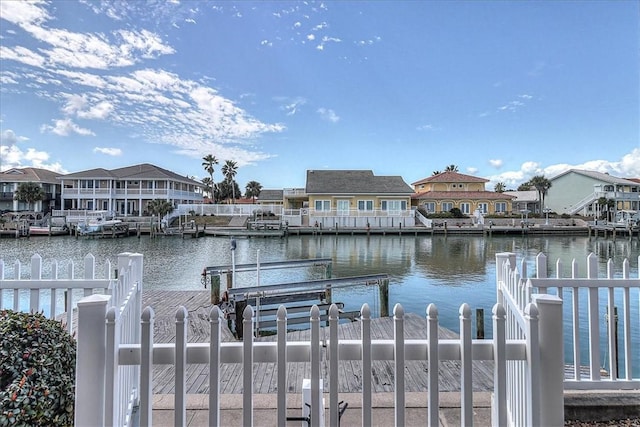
[(308, 285), (223, 269)]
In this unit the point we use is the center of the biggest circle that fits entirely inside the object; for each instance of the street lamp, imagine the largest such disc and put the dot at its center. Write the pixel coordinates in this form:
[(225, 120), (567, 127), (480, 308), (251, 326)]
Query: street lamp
[(546, 212)]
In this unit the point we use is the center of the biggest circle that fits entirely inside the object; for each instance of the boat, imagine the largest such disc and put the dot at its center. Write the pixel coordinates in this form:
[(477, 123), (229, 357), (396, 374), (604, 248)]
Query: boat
[(627, 219), (103, 227)]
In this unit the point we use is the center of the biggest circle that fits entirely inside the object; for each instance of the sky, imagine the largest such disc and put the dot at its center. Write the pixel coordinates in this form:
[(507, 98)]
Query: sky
[(504, 90)]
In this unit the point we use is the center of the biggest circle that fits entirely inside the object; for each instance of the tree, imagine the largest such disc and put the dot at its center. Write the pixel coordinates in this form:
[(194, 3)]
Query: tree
[(451, 168), (606, 208), (436, 173), (541, 184), (225, 190), (252, 189), (208, 162), (229, 170), (29, 192), (208, 186), (500, 187), (525, 186), (160, 207)]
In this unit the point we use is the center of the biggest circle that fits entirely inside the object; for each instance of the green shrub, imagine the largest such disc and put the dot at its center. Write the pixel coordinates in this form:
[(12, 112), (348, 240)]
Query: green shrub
[(37, 371)]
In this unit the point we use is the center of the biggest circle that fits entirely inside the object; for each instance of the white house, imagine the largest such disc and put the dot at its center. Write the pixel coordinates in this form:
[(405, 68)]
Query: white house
[(578, 191), (128, 190)]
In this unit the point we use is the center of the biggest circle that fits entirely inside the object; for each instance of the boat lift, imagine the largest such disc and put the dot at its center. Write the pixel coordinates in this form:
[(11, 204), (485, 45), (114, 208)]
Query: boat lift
[(297, 297)]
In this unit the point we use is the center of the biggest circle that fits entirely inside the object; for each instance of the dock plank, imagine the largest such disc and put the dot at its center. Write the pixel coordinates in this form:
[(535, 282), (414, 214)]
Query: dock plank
[(197, 304)]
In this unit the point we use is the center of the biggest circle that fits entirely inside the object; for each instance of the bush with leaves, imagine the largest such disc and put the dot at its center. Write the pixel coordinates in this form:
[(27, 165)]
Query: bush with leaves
[(37, 371)]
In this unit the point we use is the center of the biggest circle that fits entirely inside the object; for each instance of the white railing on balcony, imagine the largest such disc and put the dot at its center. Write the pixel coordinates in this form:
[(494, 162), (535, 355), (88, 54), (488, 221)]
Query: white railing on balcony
[(589, 301)]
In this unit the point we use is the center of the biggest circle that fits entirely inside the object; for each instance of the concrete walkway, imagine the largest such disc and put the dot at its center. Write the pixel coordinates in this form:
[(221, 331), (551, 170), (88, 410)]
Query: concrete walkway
[(264, 413)]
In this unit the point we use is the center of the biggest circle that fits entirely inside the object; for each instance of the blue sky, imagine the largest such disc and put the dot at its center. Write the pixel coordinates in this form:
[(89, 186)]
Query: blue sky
[(504, 90)]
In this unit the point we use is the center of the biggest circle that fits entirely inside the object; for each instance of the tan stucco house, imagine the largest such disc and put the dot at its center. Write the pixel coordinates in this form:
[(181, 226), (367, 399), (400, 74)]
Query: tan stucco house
[(447, 190)]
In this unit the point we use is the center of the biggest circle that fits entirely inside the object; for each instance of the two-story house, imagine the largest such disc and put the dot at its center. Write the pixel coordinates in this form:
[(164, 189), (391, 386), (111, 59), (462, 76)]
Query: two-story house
[(447, 190), (357, 198), (12, 178), (578, 192), (127, 190)]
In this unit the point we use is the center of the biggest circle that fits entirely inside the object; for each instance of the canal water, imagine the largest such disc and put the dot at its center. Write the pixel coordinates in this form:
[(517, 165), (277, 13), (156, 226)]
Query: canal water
[(444, 270)]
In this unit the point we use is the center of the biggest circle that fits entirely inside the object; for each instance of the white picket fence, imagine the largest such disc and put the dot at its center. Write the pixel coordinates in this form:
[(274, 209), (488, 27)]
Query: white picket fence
[(116, 349), (585, 316)]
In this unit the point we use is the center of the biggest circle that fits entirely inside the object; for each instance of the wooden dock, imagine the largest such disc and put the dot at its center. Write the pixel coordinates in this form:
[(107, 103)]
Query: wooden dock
[(265, 374)]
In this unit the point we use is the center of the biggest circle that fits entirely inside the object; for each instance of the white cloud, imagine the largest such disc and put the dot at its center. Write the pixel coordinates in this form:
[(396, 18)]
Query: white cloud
[(13, 157), (108, 151), (627, 167), (328, 114), (496, 163), (292, 107), (66, 127), (9, 138), (425, 127)]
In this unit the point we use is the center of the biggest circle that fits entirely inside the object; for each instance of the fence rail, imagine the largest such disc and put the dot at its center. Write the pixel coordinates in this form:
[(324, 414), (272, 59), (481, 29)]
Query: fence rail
[(146, 354), (587, 315)]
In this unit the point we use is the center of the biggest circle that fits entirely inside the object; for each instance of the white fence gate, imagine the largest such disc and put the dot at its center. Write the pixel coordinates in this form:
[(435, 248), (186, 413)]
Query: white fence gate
[(589, 302)]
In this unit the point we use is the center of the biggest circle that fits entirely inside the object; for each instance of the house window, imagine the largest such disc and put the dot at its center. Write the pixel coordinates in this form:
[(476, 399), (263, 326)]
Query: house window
[(365, 205), (484, 208), (465, 208), (393, 205), (501, 207), (447, 206), (86, 183), (430, 207), (323, 205), (343, 207)]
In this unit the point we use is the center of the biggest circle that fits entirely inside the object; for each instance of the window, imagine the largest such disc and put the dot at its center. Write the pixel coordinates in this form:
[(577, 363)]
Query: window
[(343, 207), (447, 206), (430, 207), (323, 205), (484, 208), (365, 205), (465, 208), (501, 207), (393, 206)]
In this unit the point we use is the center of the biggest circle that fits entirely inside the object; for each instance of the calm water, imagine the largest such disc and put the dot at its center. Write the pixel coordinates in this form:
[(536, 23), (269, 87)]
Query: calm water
[(447, 271)]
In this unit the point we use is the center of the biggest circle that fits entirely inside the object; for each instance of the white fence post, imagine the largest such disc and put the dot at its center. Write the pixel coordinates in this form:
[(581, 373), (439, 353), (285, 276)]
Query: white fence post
[(551, 374), (398, 346), (90, 360)]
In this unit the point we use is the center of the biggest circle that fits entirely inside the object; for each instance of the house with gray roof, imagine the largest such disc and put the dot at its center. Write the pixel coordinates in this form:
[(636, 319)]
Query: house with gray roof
[(12, 178), (578, 191), (357, 198), (128, 190)]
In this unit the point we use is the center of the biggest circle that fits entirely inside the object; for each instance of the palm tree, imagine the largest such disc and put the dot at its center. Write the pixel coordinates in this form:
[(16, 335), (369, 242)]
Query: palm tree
[(500, 187), (160, 207), (29, 192), (436, 173), (451, 168), (208, 186), (208, 162), (541, 184), (252, 189), (229, 170)]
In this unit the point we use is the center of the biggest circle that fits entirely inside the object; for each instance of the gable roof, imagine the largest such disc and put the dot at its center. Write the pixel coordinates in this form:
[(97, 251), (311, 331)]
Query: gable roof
[(450, 176), (266, 195), (354, 182), (604, 177), (29, 175), (140, 171)]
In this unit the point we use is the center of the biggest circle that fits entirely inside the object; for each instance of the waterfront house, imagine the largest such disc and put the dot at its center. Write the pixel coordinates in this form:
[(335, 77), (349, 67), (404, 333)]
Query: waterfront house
[(578, 191), (12, 178), (357, 198), (127, 190), (447, 190), (527, 200)]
